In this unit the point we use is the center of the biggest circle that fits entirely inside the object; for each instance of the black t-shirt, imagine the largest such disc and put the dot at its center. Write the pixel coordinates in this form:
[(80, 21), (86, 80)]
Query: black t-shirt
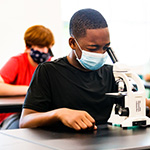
[(58, 84)]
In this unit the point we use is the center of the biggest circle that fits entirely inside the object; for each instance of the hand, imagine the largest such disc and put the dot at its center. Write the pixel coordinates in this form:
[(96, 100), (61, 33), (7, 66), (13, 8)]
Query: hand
[(76, 119)]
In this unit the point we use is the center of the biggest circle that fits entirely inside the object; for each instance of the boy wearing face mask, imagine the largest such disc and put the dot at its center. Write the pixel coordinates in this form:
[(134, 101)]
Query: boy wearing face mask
[(16, 74), (71, 90)]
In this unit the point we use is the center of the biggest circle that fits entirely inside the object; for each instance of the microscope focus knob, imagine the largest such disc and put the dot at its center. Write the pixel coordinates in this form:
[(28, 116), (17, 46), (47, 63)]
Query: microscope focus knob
[(122, 111)]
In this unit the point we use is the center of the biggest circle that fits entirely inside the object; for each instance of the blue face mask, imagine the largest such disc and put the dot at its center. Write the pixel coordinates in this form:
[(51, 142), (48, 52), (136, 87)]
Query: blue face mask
[(38, 56), (90, 60)]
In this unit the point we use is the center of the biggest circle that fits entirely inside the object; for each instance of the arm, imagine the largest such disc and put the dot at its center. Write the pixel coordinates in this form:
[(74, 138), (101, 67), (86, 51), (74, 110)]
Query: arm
[(39, 98), (75, 119), (11, 90)]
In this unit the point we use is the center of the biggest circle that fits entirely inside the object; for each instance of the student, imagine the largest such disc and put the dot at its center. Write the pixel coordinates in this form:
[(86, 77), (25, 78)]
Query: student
[(16, 74), (71, 90), (147, 77)]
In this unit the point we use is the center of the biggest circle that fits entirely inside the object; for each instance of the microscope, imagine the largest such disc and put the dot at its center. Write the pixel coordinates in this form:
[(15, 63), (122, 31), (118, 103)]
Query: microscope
[(131, 107)]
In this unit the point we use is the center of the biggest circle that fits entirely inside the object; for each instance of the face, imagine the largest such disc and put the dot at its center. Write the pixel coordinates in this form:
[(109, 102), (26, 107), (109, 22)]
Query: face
[(35, 57), (96, 41), (41, 49)]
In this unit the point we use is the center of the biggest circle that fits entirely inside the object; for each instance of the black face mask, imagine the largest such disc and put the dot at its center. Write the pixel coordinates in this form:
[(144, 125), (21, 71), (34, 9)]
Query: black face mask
[(40, 57)]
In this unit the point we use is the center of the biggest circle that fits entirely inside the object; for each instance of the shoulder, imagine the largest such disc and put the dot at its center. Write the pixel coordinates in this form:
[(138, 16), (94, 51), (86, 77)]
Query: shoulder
[(57, 63), (107, 67), (106, 71), (19, 57), (15, 60)]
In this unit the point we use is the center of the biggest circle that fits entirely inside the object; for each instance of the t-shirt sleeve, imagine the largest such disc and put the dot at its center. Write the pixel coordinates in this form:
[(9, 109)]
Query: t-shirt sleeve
[(38, 97), (10, 70)]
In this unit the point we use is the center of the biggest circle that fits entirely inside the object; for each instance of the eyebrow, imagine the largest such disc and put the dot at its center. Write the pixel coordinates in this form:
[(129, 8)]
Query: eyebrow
[(98, 45)]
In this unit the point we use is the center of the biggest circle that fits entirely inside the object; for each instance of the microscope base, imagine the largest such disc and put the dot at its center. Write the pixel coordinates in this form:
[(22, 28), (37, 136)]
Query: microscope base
[(129, 121)]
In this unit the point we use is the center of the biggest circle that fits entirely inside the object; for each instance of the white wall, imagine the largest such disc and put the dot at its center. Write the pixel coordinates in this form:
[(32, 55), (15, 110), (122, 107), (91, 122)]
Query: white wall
[(17, 15), (128, 20)]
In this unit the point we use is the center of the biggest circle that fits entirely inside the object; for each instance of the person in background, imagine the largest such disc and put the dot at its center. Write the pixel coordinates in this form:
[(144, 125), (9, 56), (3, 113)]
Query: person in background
[(147, 77), (70, 91), (16, 74)]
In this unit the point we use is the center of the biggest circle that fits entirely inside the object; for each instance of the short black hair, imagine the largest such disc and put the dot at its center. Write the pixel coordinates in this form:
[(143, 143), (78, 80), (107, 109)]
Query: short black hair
[(86, 19)]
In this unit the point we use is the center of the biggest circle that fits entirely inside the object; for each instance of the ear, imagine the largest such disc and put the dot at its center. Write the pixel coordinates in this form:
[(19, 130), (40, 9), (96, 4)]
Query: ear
[(72, 43)]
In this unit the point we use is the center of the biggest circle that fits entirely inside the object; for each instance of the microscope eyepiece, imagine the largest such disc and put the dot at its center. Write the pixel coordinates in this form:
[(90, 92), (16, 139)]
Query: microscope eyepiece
[(112, 55)]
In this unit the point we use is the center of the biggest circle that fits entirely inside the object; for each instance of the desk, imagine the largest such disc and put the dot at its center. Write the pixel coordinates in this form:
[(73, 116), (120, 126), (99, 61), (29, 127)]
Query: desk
[(106, 137), (11, 104)]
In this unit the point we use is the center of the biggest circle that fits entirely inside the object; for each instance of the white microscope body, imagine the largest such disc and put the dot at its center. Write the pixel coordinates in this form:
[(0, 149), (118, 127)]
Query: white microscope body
[(133, 111)]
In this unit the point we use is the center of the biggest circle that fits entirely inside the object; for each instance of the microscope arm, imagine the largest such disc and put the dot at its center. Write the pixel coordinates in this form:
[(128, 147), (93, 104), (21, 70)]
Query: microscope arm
[(133, 110)]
